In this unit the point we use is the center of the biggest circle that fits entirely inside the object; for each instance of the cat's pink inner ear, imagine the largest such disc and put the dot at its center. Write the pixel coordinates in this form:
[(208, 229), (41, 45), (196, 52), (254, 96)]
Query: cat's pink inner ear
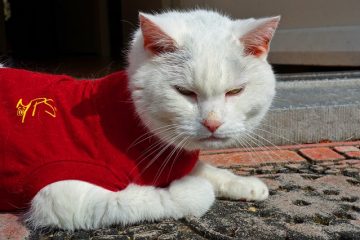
[(256, 41), (155, 39)]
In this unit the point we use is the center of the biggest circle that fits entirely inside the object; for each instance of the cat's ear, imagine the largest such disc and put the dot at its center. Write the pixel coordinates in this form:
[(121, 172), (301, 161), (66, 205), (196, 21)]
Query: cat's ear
[(257, 39), (156, 41)]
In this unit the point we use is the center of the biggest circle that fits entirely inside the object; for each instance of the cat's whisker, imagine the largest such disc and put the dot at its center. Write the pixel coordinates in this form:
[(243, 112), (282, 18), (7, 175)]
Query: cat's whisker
[(158, 146), (296, 143), (167, 159), (255, 141), (266, 140), (159, 154), (252, 151), (180, 148), (264, 147), (151, 150), (154, 147), (149, 134)]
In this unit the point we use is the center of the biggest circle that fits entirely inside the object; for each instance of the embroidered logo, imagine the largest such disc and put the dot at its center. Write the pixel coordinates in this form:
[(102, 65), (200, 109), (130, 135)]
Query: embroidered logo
[(32, 106)]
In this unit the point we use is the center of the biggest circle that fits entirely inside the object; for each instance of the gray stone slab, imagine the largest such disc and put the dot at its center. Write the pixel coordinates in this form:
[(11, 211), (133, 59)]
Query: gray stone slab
[(310, 111), (314, 93)]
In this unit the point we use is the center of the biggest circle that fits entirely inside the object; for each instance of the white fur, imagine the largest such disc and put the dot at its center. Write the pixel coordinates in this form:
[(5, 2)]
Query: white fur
[(227, 184), (81, 205), (209, 61)]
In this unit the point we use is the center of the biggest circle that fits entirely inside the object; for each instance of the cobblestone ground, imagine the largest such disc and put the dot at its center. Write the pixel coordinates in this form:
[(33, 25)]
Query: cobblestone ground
[(314, 194)]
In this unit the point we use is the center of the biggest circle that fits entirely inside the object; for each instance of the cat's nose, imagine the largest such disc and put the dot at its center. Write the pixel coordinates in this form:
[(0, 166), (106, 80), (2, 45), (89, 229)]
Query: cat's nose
[(211, 124), (212, 121)]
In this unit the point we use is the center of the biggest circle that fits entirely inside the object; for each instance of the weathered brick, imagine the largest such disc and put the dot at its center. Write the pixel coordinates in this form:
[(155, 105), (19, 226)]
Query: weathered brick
[(344, 149), (353, 154), (321, 154), (252, 158)]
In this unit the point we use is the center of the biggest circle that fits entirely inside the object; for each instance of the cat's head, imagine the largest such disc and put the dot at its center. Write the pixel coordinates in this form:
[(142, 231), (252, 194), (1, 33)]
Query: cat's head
[(200, 80)]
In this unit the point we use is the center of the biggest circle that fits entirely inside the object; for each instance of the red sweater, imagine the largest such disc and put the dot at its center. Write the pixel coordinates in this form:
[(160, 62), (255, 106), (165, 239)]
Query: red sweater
[(54, 127)]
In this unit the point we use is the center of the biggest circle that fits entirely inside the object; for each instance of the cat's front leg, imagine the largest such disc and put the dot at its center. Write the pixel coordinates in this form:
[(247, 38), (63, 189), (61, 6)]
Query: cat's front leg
[(229, 185), (80, 205)]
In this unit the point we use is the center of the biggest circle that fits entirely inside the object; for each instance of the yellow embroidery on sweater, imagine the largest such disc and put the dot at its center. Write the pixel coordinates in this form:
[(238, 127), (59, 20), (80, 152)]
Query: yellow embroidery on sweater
[(22, 109)]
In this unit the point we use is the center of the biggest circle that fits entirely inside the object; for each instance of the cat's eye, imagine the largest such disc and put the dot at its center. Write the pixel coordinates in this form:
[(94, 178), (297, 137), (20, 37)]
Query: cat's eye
[(235, 91), (184, 91)]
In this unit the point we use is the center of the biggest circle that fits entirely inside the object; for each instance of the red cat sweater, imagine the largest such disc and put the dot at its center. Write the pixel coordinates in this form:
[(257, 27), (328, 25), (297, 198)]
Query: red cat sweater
[(53, 128)]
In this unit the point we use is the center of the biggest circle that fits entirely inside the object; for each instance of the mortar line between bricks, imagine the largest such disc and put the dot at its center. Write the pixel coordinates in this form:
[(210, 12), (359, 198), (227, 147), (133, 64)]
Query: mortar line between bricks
[(341, 153), (308, 160)]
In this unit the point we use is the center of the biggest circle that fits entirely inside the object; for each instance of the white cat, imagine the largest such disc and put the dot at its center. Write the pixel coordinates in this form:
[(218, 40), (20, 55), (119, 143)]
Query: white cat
[(206, 76)]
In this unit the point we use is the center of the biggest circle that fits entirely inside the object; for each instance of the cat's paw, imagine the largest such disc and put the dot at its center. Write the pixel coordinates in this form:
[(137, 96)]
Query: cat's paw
[(245, 188), (193, 195)]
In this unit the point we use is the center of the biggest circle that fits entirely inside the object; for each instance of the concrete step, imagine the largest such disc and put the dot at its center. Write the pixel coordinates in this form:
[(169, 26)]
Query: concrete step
[(310, 108)]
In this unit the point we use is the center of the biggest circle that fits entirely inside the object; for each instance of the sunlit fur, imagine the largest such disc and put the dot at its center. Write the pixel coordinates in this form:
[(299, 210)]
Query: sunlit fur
[(209, 61)]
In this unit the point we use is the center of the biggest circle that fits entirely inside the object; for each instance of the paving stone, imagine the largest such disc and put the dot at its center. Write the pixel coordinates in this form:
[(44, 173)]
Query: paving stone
[(317, 169), (284, 147), (344, 149), (265, 170), (304, 171), (349, 161), (300, 206), (353, 154), (332, 171), (327, 164), (351, 172), (321, 154), (294, 166), (248, 169), (356, 166), (281, 169), (241, 173), (249, 158), (11, 227), (308, 200), (341, 166)]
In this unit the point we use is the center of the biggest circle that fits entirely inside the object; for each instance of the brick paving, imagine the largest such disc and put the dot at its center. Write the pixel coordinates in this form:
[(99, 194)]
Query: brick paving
[(314, 194), (252, 158), (321, 154)]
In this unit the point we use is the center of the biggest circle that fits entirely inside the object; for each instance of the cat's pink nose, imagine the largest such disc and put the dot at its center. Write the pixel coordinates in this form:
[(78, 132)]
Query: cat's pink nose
[(211, 124)]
